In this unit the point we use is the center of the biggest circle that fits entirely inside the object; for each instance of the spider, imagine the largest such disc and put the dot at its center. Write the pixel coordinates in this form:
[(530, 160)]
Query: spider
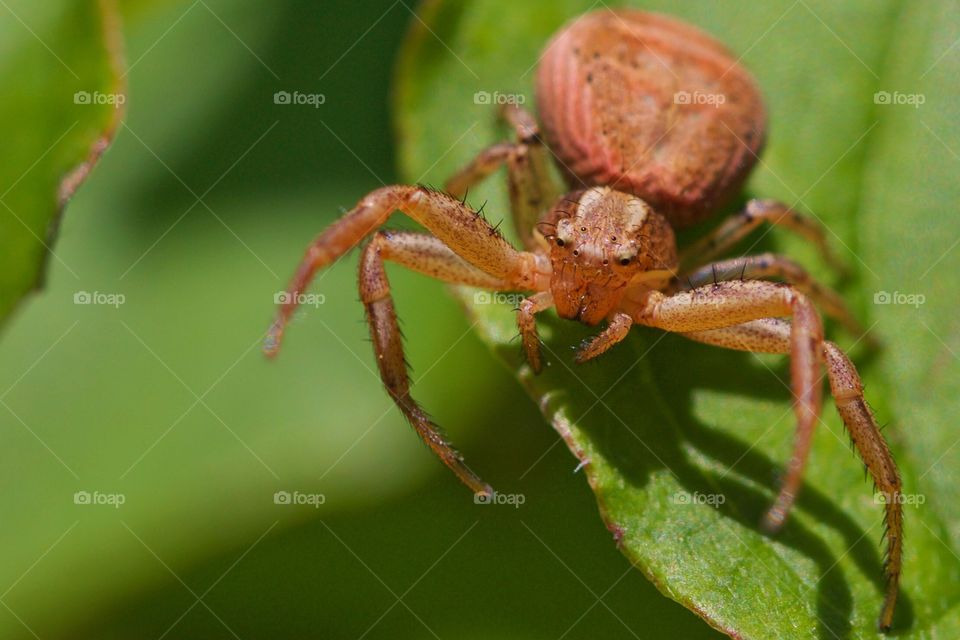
[(654, 126)]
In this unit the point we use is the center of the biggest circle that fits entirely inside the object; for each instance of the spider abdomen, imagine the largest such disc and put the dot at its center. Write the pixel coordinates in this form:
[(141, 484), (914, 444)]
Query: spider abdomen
[(651, 106)]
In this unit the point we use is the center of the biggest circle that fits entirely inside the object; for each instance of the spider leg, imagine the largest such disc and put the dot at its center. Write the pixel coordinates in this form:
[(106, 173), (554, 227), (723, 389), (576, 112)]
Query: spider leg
[(532, 188), (617, 329), (527, 324), (483, 165), (428, 255), (773, 336), (455, 224), (770, 265), (737, 226), (730, 303)]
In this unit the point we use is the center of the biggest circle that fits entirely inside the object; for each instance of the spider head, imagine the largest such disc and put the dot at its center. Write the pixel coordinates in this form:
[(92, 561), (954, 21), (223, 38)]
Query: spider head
[(601, 240)]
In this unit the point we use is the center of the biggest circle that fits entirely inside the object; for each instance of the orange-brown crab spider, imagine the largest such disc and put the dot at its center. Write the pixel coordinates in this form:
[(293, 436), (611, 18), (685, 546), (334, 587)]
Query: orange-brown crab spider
[(606, 251)]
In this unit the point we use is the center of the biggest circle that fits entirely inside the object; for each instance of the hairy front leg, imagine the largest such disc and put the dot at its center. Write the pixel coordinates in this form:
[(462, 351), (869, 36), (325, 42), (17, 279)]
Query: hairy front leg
[(737, 226), (388, 342), (730, 303), (773, 336), (428, 255), (532, 188), (455, 224), (770, 265)]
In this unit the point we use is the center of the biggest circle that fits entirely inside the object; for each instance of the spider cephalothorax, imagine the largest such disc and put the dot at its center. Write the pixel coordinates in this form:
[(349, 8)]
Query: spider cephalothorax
[(602, 240), (653, 123)]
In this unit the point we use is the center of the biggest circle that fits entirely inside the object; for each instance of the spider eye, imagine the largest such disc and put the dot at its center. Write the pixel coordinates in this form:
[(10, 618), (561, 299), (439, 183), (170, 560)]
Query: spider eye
[(560, 242), (624, 261)]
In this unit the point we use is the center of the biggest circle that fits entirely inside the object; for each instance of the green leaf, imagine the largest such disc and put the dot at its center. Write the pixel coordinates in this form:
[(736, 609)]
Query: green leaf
[(61, 101), (660, 420)]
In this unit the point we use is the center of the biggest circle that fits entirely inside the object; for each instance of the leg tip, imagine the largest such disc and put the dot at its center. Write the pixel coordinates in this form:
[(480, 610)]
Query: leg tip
[(885, 623), (535, 360), (271, 344), (773, 520), (584, 354)]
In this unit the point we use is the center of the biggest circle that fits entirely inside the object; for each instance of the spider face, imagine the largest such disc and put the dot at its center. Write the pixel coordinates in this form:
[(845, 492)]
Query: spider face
[(603, 239)]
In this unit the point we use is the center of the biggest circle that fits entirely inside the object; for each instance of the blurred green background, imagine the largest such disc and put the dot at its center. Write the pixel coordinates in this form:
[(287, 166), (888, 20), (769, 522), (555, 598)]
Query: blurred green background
[(196, 216)]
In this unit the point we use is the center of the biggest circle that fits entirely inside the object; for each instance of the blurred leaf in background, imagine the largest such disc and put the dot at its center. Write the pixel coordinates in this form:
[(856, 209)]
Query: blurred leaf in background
[(60, 109)]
